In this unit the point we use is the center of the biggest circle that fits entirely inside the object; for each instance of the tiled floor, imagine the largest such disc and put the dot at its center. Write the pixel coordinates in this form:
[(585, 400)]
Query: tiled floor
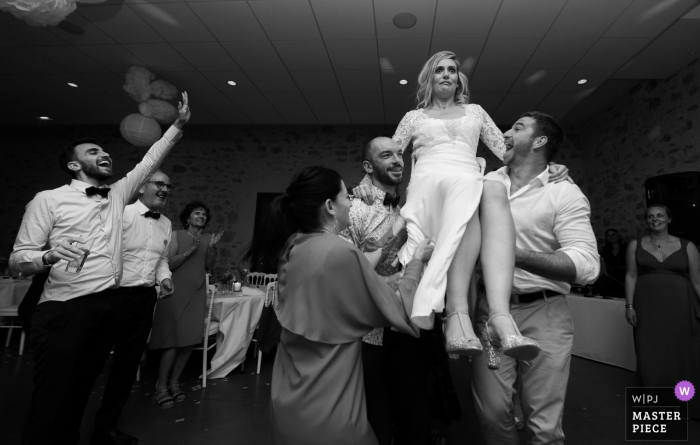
[(235, 410)]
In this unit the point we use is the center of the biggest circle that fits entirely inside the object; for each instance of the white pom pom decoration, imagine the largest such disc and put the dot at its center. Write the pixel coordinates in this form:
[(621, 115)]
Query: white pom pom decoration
[(143, 129), (138, 83), (140, 130), (162, 89), (41, 12), (159, 110)]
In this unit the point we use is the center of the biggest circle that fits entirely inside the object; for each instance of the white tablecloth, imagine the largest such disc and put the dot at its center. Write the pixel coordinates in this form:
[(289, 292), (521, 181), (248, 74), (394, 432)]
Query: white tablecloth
[(12, 291), (11, 294), (238, 315), (601, 332)]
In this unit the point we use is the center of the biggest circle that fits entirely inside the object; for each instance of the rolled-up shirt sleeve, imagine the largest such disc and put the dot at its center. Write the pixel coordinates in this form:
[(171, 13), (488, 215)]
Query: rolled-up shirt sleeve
[(33, 235), (573, 230)]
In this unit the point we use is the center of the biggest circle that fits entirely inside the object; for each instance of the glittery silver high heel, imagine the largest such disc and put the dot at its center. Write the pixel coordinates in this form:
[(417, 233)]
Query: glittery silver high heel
[(512, 345), (461, 345), (493, 353)]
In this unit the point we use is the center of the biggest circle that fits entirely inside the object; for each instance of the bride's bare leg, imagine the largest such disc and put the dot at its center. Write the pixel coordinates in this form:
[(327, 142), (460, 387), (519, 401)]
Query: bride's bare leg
[(498, 252), (498, 263), (459, 332)]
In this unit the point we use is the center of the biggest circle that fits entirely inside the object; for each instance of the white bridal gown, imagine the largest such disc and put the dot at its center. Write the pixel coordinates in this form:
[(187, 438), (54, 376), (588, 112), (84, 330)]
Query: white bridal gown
[(443, 193)]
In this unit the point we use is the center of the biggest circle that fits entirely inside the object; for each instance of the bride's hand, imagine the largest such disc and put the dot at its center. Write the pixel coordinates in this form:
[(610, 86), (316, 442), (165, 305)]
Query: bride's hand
[(559, 173), (364, 192)]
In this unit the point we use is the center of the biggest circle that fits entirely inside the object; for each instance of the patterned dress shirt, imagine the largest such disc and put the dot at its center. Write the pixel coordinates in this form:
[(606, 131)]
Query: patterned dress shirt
[(373, 221)]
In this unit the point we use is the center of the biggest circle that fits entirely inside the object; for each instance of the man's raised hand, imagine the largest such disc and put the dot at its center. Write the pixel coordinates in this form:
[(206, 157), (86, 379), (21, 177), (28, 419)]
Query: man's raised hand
[(183, 110)]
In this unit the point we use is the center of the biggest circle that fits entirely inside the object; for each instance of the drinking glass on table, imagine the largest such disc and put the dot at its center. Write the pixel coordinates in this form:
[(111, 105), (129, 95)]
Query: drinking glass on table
[(75, 266)]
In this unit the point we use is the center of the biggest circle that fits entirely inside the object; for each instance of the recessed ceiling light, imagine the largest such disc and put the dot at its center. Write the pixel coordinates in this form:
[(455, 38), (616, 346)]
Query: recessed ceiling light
[(403, 81), (231, 82), (71, 84), (582, 81), (405, 20), (44, 118)]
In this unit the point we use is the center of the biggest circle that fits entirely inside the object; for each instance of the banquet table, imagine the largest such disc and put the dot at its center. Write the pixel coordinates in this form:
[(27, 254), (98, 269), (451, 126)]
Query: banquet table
[(601, 331), (238, 314), (12, 291)]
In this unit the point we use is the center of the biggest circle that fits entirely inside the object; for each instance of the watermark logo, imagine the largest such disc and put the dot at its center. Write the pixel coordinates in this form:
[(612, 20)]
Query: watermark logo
[(658, 413), (684, 391)]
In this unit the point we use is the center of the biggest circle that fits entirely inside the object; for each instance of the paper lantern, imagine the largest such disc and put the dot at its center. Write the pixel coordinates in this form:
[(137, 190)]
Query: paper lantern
[(140, 130)]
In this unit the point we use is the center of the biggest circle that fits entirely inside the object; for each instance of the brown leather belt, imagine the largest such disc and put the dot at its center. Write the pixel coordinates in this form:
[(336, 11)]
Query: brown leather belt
[(534, 296)]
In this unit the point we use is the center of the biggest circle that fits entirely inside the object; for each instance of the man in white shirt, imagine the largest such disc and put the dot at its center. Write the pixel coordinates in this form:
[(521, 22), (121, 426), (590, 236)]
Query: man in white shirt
[(555, 246), (71, 326), (145, 250)]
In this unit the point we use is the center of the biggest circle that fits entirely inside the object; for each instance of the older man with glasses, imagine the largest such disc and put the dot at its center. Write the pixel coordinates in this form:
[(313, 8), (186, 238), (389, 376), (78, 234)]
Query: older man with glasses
[(145, 257)]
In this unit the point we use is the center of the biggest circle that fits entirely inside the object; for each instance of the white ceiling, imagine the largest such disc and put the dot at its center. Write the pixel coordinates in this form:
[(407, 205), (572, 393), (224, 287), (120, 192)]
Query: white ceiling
[(340, 61)]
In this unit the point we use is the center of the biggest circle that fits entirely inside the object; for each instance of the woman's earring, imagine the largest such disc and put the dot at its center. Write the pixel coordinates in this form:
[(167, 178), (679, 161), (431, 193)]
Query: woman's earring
[(335, 225)]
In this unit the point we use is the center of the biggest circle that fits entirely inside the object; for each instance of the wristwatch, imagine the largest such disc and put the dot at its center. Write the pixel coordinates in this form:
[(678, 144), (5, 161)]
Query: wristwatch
[(44, 260)]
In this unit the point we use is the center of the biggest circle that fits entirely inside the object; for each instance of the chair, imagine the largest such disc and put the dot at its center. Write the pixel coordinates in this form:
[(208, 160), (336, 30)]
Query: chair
[(11, 311), (210, 328), (260, 280), (270, 297)]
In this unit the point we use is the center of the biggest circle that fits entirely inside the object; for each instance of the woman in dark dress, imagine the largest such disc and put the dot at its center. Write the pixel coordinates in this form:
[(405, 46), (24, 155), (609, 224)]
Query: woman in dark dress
[(329, 296), (614, 253), (178, 323), (662, 285)]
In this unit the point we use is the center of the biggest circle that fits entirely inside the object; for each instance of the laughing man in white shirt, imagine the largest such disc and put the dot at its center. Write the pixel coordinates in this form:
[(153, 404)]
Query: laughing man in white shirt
[(73, 323), (145, 250), (555, 246)]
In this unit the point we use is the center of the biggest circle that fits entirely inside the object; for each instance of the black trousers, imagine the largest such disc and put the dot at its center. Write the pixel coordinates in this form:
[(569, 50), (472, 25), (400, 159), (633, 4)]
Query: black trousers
[(72, 341), (396, 390), (404, 372), (376, 394), (135, 320)]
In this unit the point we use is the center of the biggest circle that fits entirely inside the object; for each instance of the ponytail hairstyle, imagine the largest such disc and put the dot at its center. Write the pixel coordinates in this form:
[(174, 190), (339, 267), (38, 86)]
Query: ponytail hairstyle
[(424, 95), (297, 210)]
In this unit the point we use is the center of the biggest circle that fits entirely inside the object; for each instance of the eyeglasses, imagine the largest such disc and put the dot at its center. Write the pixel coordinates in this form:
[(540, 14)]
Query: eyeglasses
[(161, 185)]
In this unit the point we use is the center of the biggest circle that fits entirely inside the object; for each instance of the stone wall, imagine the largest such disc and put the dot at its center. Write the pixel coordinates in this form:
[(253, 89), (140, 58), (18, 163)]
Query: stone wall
[(652, 130), (225, 167)]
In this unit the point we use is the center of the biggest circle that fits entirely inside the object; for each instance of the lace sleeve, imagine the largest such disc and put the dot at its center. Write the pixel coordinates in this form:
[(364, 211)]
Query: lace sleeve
[(491, 135), (404, 131)]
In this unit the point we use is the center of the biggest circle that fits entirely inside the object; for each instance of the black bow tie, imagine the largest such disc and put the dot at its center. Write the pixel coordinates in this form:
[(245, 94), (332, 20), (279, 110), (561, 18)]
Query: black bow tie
[(103, 192), (389, 201), (153, 215)]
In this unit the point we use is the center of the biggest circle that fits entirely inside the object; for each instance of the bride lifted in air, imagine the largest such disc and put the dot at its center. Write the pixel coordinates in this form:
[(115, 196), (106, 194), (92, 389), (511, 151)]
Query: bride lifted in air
[(444, 193)]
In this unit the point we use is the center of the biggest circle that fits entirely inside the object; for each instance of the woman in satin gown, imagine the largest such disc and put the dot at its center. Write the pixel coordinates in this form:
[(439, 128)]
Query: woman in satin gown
[(662, 285), (329, 296)]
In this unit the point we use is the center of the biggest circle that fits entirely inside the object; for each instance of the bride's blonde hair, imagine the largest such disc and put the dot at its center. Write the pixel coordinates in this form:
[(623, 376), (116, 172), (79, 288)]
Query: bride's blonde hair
[(424, 95)]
